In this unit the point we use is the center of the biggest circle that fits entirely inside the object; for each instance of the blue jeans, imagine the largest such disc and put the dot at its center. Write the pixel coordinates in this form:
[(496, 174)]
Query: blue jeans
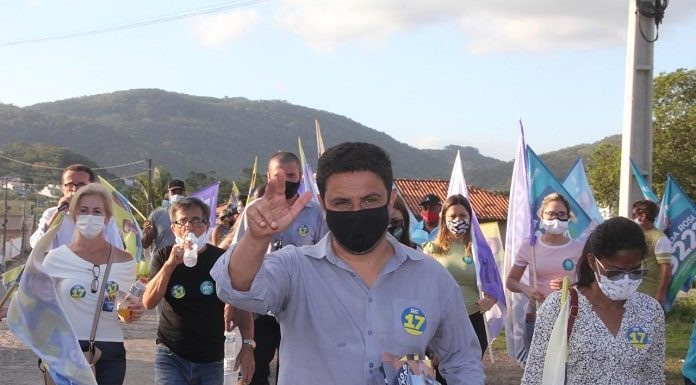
[(170, 369)]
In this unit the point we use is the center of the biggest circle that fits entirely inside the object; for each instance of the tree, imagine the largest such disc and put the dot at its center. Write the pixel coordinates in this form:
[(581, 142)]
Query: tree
[(138, 193), (674, 147), (674, 125), (604, 164)]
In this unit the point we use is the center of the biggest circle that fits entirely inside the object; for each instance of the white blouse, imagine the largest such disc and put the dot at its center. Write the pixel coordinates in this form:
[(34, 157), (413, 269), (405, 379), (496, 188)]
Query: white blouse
[(636, 355), (73, 277)]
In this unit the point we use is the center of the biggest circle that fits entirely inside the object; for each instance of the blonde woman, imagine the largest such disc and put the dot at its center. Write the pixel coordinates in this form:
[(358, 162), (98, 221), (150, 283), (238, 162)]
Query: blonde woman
[(552, 257), (79, 269)]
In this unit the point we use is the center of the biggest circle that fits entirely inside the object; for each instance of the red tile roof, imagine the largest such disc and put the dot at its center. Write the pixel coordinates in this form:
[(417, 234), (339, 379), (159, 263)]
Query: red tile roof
[(489, 206)]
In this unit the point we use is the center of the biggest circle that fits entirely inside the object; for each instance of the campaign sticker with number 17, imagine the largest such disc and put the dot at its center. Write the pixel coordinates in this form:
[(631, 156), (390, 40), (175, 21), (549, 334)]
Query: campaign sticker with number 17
[(637, 337), (413, 320)]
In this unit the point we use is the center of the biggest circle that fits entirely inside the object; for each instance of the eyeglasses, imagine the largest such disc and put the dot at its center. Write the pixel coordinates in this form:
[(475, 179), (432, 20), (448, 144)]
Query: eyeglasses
[(616, 275), (560, 215), (94, 287), (74, 186), (194, 222), (396, 223)]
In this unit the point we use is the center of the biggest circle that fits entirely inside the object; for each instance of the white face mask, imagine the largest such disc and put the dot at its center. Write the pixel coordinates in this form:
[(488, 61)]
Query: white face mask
[(616, 290), (200, 241), (90, 225), (174, 198), (554, 226)]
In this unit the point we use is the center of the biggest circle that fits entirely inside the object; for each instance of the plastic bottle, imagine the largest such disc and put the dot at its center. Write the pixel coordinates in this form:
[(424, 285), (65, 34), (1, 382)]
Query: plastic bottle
[(191, 255), (134, 294), (230, 375)]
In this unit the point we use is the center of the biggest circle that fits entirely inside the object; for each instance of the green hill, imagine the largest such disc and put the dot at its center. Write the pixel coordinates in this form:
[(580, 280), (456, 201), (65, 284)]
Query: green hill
[(187, 133)]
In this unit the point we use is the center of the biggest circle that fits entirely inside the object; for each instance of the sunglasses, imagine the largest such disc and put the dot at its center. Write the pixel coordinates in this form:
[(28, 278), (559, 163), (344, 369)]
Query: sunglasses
[(94, 287), (617, 275)]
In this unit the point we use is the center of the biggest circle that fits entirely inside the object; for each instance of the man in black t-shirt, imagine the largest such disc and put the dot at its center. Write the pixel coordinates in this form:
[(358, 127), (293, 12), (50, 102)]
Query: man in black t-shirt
[(190, 335)]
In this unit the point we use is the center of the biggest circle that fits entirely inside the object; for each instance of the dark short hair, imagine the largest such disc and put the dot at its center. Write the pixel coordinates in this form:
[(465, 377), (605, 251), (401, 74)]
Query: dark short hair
[(176, 184), (647, 207), (79, 167), (351, 157), (606, 240), (284, 157), (187, 203)]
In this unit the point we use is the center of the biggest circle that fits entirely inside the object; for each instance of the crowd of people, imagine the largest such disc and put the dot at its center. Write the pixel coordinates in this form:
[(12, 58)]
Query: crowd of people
[(339, 282)]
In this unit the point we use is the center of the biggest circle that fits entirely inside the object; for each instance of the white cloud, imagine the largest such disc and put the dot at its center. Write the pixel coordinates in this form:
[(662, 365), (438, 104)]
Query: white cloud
[(217, 30), (490, 26), (429, 142)]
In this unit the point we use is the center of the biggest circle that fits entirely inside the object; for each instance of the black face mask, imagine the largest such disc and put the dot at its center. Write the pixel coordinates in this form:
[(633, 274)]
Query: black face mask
[(291, 189), (358, 231)]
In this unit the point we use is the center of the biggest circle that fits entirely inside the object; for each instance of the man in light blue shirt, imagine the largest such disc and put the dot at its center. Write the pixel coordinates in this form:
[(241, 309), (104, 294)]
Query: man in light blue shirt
[(426, 230), (355, 295), (307, 228)]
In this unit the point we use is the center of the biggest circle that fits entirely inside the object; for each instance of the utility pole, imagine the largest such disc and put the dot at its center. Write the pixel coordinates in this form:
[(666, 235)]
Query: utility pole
[(4, 230), (22, 246), (149, 187), (644, 17)]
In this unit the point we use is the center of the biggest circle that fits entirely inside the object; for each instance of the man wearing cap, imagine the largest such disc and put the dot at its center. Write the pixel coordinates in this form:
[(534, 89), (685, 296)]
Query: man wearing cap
[(157, 230), (74, 177), (426, 230)]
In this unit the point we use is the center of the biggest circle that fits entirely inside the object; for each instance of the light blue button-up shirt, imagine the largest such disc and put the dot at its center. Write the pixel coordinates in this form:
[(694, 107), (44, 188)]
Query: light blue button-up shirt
[(421, 236), (335, 328)]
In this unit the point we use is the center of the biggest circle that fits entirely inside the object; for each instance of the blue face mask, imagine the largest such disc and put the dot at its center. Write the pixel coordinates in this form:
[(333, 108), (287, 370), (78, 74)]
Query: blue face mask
[(165, 203)]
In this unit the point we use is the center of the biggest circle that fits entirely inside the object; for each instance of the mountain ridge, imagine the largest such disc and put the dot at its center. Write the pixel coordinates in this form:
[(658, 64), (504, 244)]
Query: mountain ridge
[(186, 133)]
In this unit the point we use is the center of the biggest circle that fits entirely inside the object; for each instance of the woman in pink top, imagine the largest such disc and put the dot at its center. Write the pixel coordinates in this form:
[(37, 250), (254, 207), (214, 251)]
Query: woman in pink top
[(550, 259)]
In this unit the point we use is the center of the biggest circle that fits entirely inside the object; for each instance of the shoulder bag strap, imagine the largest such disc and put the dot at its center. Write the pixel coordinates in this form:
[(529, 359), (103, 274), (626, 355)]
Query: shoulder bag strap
[(573, 310), (100, 301)]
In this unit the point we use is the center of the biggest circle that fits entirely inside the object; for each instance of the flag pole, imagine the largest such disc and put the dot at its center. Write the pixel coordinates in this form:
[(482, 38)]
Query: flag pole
[(474, 251)]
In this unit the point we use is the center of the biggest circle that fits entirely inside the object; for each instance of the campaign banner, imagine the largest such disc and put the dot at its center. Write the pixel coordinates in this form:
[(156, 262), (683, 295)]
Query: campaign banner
[(578, 186), (209, 196), (679, 215), (643, 184)]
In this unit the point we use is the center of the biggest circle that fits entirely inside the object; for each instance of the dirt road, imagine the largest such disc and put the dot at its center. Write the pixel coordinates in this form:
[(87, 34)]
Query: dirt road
[(18, 363)]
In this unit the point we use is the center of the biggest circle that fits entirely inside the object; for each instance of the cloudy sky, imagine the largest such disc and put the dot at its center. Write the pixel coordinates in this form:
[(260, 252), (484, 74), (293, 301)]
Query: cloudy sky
[(428, 73)]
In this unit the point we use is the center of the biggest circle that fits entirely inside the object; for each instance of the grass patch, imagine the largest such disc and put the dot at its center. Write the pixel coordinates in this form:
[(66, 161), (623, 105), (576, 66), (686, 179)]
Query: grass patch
[(679, 325)]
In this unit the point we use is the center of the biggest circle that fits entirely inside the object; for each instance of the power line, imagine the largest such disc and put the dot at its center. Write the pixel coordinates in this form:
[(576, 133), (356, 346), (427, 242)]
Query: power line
[(37, 165), (130, 25)]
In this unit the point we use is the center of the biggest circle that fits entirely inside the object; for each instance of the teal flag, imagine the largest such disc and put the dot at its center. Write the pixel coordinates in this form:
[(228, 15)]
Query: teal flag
[(542, 183), (678, 214), (578, 186), (643, 184)]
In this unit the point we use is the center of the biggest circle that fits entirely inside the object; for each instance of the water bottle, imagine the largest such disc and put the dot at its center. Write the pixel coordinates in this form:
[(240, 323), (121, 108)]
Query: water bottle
[(230, 375), (135, 293), (191, 255)]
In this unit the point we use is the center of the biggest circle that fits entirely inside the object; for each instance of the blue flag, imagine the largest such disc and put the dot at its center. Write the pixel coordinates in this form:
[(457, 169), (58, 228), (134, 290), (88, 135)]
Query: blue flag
[(643, 184), (678, 213), (578, 186), (542, 183)]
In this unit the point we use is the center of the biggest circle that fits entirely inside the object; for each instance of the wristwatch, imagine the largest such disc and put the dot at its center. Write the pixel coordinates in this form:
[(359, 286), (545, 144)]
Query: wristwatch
[(249, 342)]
